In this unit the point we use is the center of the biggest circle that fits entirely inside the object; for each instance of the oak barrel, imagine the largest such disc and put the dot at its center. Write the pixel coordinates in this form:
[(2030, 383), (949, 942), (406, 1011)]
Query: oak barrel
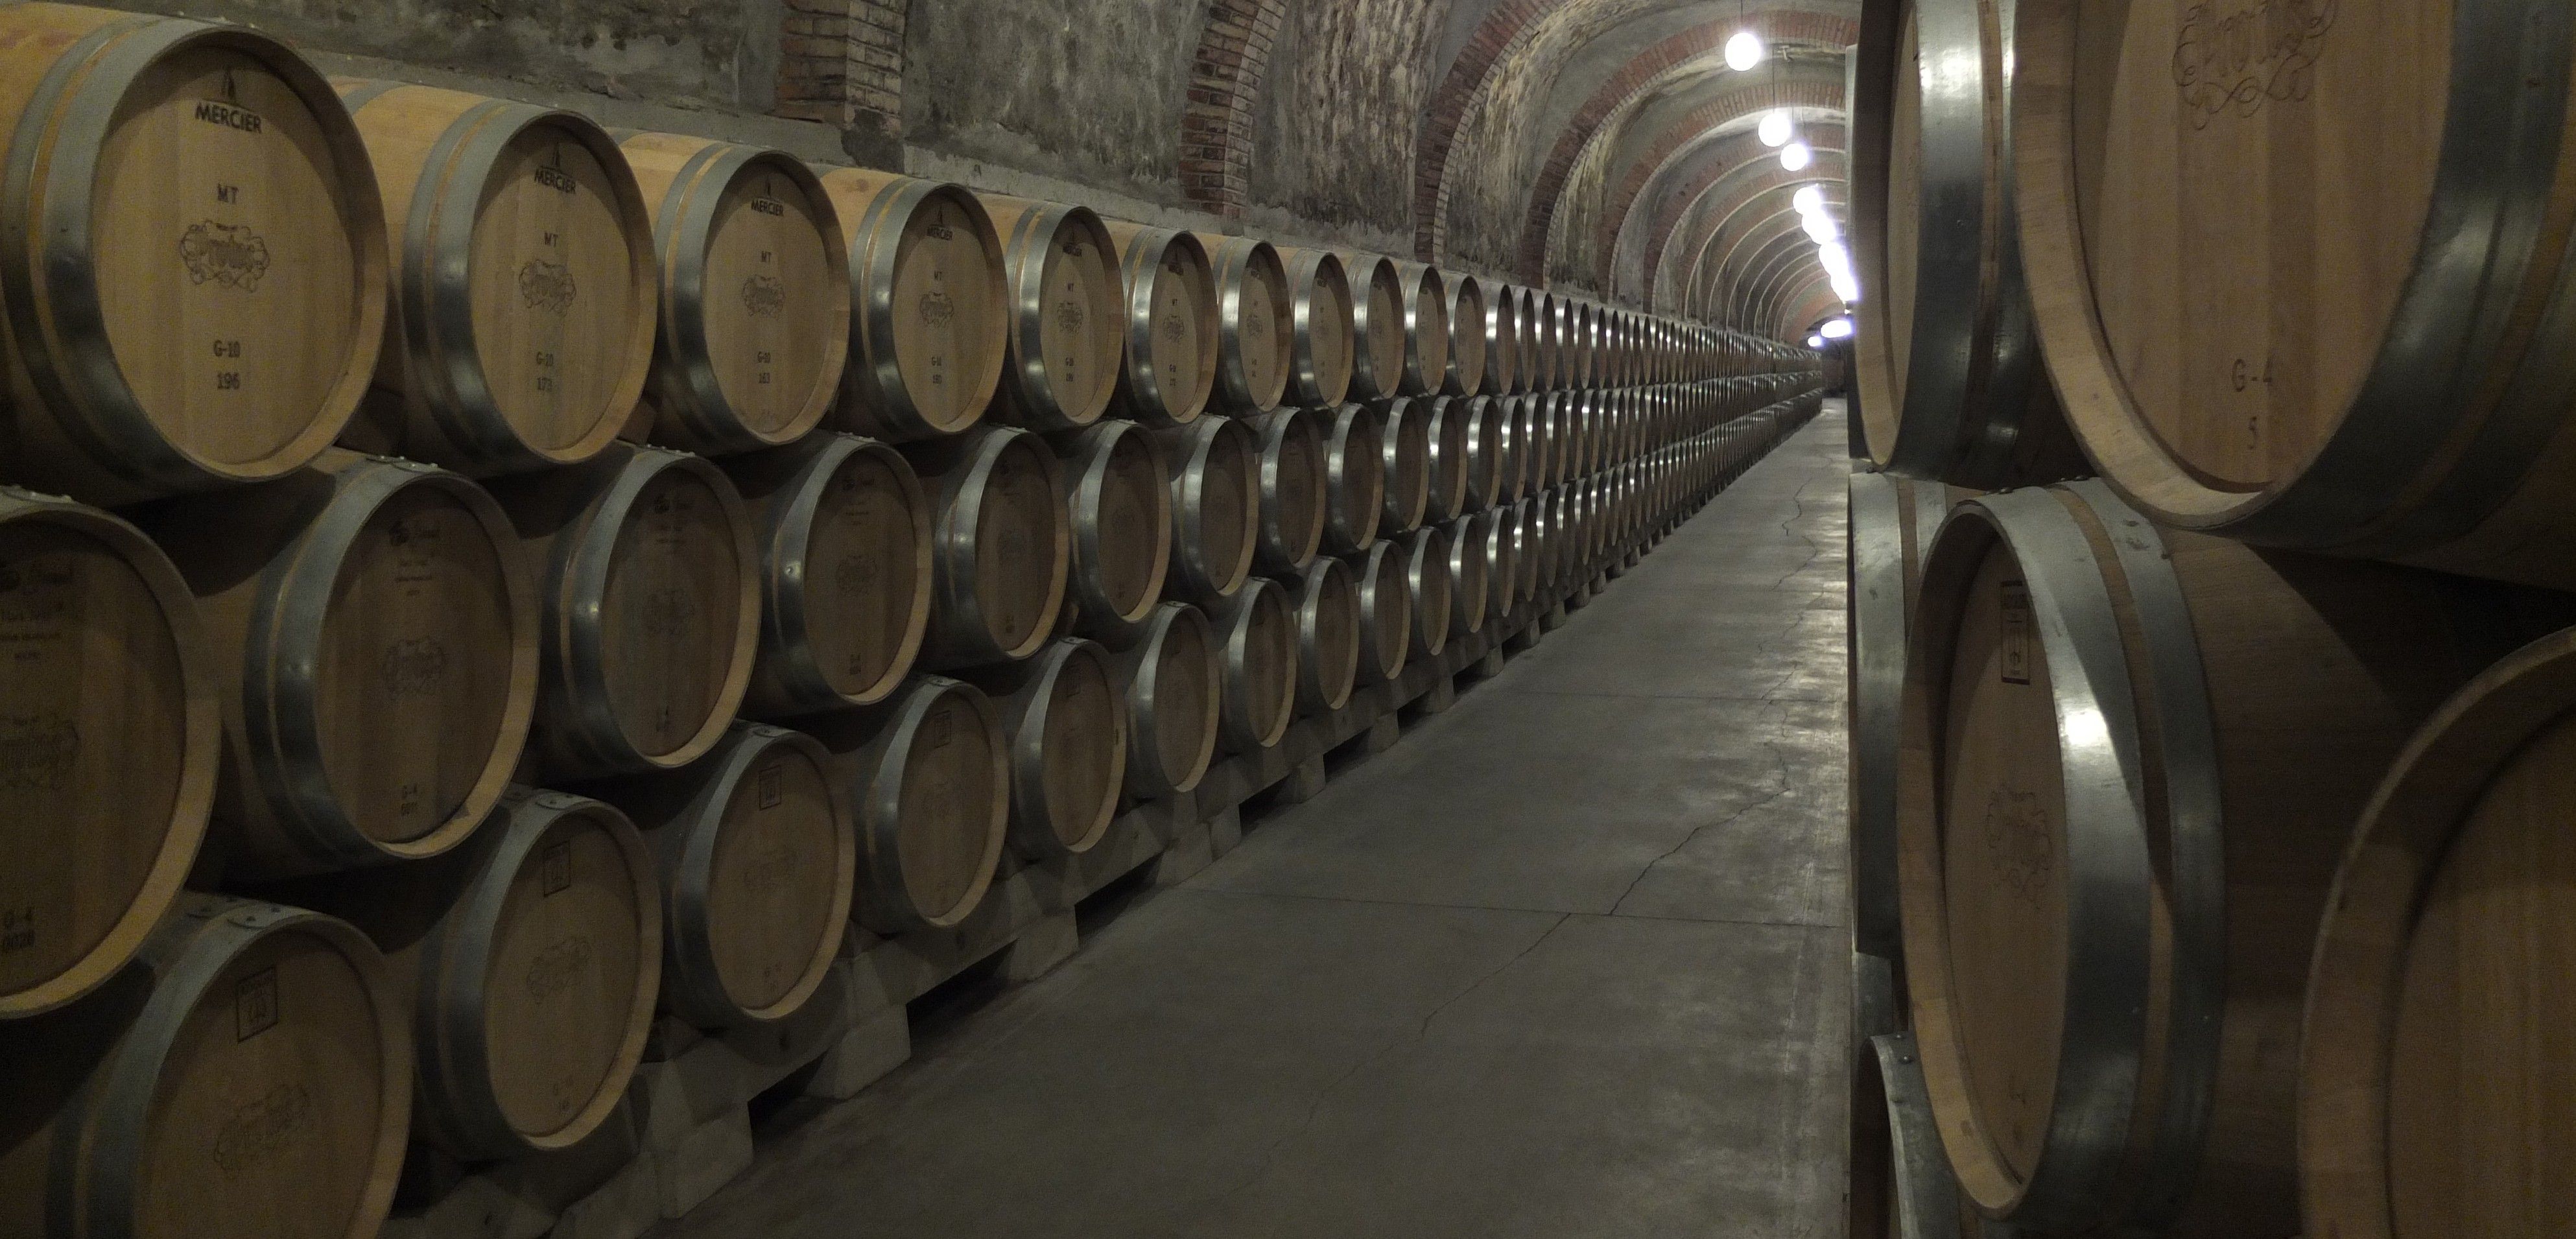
[(649, 583), (1465, 373), (1502, 533), (1430, 594), (757, 861), (1327, 604), (1000, 544), (356, 591), (109, 747), (1295, 494), (1444, 498), (1354, 478), (754, 289), (1503, 366), (1216, 468), (1892, 520), (1257, 645), (842, 530), (1538, 339), (1172, 679), (1377, 326), (1118, 506), (928, 776), (1323, 328), (1065, 723), (1067, 310), (1900, 1188), (1256, 332), (930, 315), (1488, 451), (1426, 328), (2124, 747), (1468, 573), (1168, 346), (1379, 575), (192, 255), (1404, 448), (249, 1078)]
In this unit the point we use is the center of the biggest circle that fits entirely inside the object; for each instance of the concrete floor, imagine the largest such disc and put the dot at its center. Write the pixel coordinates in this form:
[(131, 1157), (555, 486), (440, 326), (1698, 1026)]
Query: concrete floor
[(1566, 962)]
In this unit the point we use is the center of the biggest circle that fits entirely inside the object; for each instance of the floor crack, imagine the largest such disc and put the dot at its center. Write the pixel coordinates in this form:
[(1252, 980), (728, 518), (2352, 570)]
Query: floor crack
[(1780, 772)]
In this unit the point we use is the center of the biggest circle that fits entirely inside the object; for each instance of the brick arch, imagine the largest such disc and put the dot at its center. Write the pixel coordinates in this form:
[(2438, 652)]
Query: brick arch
[(1806, 92), (1747, 213), (1812, 302), (1779, 256), (1722, 177), (1216, 122), (1630, 84), (1504, 31), (1756, 228)]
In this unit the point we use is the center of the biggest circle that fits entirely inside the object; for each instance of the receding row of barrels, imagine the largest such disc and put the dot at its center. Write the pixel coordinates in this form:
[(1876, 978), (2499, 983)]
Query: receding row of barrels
[(2213, 889), (254, 1063), (497, 287)]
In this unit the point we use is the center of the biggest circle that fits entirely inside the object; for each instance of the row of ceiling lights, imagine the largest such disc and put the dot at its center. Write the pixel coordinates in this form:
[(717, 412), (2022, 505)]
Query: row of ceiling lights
[(1779, 130)]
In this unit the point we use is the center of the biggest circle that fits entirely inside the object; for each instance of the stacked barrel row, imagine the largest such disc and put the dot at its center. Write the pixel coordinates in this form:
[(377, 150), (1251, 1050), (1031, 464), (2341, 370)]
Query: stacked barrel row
[(475, 582), (2211, 861)]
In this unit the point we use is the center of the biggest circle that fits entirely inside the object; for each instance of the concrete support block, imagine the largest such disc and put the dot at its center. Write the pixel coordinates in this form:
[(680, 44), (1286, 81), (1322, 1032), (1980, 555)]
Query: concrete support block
[(1442, 694), (1305, 781), (1490, 665), (624, 1208), (1553, 620), (1225, 832), (863, 1056), (1380, 736), (703, 1160), (1040, 947), (1190, 851)]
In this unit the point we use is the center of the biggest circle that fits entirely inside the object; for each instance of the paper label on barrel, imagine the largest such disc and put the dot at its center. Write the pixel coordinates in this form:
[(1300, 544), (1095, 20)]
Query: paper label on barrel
[(2016, 637)]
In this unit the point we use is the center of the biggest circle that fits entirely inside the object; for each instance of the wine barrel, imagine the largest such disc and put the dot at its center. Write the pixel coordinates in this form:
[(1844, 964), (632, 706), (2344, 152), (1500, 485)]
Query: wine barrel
[(1379, 577), (1168, 351), (930, 317), (1119, 509), (1469, 573), (1354, 478), (1488, 451), (1065, 725), (1503, 567), (1255, 331), (1067, 310), (356, 591), (757, 861), (1294, 492), (1404, 447), (1900, 1188), (2378, 381), (2191, 726), (519, 345), (1000, 550), (1503, 367), (1426, 328), (1328, 635), (1544, 542), (195, 278), (754, 289), (842, 528), (1447, 468), (1377, 327), (1172, 682), (250, 1078), (1579, 343), (1948, 369), (1891, 525), (2432, 1085), (650, 591), (109, 747), (1430, 594), (1465, 373), (1511, 415), (1538, 339), (1323, 328), (1256, 639), (1216, 506), (928, 776)]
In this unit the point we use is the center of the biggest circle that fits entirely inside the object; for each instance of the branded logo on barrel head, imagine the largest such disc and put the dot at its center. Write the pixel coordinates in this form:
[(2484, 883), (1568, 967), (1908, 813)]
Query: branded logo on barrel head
[(764, 296), (414, 666), (559, 966), (261, 1129), (228, 115), (38, 751), (230, 255), (255, 1008), (2020, 843), (2237, 58), (936, 309), (1069, 314), (546, 286)]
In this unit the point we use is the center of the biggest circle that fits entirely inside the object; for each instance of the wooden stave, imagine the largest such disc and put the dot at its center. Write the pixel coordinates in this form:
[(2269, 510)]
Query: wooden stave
[(1249, 672), (1430, 594), (1426, 328), (680, 814), (76, 425), (1287, 545), (1022, 694), (1322, 321), (277, 813), (1372, 377), (1238, 260), (1145, 260), (1355, 479), (567, 522), (871, 748), (1503, 370), (782, 488), (1192, 451), (83, 1149), (1380, 577), (685, 405), (958, 469), (1027, 396), (201, 754), (1137, 672), (1450, 465), (875, 398), (1087, 456), (2145, 1171), (1404, 450), (446, 415), (1464, 375), (1327, 602)]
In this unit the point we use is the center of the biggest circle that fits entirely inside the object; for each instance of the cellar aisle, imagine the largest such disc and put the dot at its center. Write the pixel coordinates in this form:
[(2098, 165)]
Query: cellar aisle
[(1565, 962)]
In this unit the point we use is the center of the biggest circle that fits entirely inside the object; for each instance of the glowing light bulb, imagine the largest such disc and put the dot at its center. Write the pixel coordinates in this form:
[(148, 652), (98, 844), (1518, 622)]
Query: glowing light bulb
[(1809, 199), (1821, 229), (1776, 127), (1837, 329), (1795, 157), (1743, 50), (1815, 342)]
